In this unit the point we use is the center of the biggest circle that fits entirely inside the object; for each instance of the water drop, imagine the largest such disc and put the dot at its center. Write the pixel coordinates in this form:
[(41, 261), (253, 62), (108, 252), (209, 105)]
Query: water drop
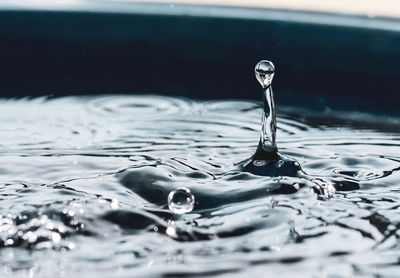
[(265, 72), (181, 200)]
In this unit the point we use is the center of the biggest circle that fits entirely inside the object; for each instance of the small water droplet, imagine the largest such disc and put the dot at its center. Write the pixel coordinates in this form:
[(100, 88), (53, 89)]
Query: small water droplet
[(181, 200), (259, 163), (265, 72)]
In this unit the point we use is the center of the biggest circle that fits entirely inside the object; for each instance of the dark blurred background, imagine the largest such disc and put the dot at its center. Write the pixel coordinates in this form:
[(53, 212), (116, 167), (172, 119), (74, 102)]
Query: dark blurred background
[(322, 59)]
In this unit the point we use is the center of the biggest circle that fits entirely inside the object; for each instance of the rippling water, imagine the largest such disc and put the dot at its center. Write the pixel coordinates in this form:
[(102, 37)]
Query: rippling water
[(84, 184)]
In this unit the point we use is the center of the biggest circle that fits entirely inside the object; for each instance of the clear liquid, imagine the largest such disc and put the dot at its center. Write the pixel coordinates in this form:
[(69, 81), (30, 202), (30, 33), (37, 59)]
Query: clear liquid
[(181, 200), (268, 122), (85, 184)]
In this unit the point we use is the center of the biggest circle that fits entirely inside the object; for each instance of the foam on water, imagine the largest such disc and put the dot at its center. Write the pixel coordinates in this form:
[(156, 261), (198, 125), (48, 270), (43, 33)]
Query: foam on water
[(84, 185)]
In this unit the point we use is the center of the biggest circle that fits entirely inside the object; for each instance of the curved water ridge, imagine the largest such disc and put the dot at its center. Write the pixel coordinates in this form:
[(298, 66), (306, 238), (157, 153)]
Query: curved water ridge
[(84, 186)]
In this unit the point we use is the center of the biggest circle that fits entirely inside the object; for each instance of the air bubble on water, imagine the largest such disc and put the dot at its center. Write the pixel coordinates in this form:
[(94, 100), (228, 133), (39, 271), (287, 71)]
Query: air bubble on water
[(259, 163), (181, 200)]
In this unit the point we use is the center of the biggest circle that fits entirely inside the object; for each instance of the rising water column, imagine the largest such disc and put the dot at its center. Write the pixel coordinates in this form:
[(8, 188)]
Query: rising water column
[(267, 148)]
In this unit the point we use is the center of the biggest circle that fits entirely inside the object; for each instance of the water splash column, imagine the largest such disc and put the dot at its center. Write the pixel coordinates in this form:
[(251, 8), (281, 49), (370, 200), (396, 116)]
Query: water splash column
[(265, 71)]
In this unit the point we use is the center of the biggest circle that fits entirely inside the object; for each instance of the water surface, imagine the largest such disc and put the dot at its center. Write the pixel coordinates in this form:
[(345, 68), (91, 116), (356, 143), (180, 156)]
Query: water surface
[(84, 184)]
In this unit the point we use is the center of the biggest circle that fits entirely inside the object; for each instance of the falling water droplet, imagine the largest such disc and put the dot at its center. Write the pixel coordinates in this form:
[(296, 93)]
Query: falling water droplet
[(181, 200), (265, 72)]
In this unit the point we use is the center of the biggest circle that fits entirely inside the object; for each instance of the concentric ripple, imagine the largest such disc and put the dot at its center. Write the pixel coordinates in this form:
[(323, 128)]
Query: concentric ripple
[(84, 186)]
